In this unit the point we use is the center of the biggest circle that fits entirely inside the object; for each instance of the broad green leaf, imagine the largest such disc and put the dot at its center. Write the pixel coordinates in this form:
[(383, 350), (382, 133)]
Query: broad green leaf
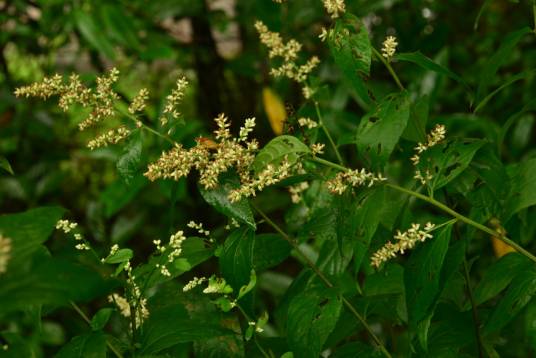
[(518, 294), (269, 251), (428, 64), (122, 255), (219, 199), (529, 106), (312, 315), (101, 318), (129, 162), (171, 324), (356, 349), (119, 25), (508, 82), (91, 345), (422, 275), (416, 128), (379, 131), (277, 149), (499, 275), (118, 194), (93, 34), (523, 186), (446, 161), (350, 47), (236, 259), (4, 164), (250, 286), (498, 59), (28, 230)]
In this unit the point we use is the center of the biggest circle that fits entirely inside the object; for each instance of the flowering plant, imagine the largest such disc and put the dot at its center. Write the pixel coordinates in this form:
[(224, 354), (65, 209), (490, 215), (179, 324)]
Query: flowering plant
[(336, 236)]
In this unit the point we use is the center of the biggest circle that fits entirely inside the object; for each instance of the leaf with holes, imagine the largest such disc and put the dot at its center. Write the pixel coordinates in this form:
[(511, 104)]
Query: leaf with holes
[(380, 130), (277, 149)]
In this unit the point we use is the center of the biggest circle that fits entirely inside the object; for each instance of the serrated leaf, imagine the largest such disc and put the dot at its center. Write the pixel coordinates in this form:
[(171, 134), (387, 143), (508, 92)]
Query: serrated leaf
[(380, 130), (122, 255), (101, 318), (428, 64), (129, 162), (422, 275), (236, 259), (312, 315), (350, 47), (498, 59), (519, 293), (92, 345), (277, 149), (219, 199), (4, 164), (499, 275)]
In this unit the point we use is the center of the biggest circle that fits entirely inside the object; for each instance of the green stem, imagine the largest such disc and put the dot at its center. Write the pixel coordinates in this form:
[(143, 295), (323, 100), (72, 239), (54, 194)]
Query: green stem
[(326, 131), (146, 127), (322, 277), (444, 208), (248, 319), (389, 68), (88, 321)]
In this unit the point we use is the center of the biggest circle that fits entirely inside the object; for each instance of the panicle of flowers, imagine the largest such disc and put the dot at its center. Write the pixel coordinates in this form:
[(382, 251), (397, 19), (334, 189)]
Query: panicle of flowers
[(121, 303), (208, 157), (139, 101), (288, 52), (317, 148), (113, 136), (389, 47), (199, 228), (67, 227), (5, 253), (268, 176), (175, 247), (334, 8), (297, 190), (353, 178), (173, 100), (233, 224), (324, 34), (218, 285), (404, 241), (434, 137), (196, 281), (307, 122), (247, 128), (134, 301)]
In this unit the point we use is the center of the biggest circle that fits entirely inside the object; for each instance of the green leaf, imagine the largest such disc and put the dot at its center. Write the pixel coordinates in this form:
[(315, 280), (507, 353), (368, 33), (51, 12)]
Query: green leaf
[(93, 33), (446, 161), (219, 199), (519, 293), (92, 345), (498, 59), (428, 64), (119, 25), (523, 186), (422, 275), (380, 130), (128, 163), (312, 315), (171, 324), (277, 149), (28, 230), (118, 194), (101, 318), (250, 286), (499, 275), (416, 128), (350, 47), (122, 255), (4, 164), (269, 251), (236, 259), (511, 80)]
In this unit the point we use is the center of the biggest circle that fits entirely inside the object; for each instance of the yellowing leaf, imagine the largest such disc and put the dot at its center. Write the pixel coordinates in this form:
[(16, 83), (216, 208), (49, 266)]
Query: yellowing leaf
[(275, 110), (500, 247)]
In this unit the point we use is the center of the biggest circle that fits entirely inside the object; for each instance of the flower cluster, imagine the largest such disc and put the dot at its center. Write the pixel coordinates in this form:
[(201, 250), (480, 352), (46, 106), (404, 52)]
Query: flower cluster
[(296, 191), (335, 7), (434, 137), (196, 281), (113, 136), (139, 102), (199, 228), (173, 100), (67, 226), (317, 148), (404, 241), (5, 253), (389, 47), (307, 122), (354, 178), (175, 246), (288, 52)]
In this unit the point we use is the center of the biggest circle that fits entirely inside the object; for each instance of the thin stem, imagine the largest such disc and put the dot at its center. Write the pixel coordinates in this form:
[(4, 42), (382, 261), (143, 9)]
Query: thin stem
[(444, 208), (326, 131), (474, 310), (146, 127), (323, 278), (88, 321), (389, 68), (248, 319)]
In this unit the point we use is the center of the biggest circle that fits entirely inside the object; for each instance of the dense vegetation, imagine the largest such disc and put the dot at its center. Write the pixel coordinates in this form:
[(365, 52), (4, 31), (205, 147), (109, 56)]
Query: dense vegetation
[(240, 178)]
